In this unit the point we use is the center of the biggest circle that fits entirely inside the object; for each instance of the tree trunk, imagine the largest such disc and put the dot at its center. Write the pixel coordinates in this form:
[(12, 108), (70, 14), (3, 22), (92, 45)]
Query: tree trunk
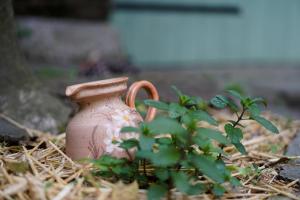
[(12, 70)]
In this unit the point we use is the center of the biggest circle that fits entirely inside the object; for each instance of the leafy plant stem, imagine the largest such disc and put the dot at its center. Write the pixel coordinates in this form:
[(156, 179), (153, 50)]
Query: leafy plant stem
[(129, 155), (240, 118), (196, 172), (144, 166), (169, 193)]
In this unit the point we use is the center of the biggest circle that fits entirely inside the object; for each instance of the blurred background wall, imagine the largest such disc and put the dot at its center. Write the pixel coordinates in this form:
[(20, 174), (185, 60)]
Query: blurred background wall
[(183, 33), (197, 31)]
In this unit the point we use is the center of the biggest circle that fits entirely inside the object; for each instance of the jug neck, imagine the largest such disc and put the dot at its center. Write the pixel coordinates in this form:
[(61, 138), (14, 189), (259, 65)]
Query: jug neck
[(99, 101)]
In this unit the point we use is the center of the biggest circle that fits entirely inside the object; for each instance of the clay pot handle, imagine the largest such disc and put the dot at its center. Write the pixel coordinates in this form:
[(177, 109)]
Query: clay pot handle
[(152, 92)]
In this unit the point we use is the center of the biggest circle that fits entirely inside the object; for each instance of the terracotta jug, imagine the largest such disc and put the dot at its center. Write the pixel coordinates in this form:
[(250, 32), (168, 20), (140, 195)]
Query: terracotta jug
[(102, 113)]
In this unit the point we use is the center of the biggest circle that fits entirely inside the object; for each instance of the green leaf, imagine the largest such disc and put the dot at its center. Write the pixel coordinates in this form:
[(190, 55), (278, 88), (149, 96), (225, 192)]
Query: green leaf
[(213, 134), (234, 134), (234, 181), (102, 168), (265, 123), (163, 125), (240, 147), (176, 110), (206, 145), (246, 102), (220, 164), (117, 169), (185, 100), (196, 189), (260, 100), (162, 173), (254, 109), (232, 105), (197, 101), (177, 91), (164, 140), (219, 101), (146, 154), (214, 149), (157, 104), (156, 192), (235, 94), (223, 168), (245, 171), (208, 167), (167, 155), (115, 142), (189, 122), (201, 104), (181, 181), (127, 129), (127, 171), (144, 127), (129, 144), (146, 142), (202, 142), (108, 160), (218, 190), (236, 87), (203, 116), (255, 168), (185, 163)]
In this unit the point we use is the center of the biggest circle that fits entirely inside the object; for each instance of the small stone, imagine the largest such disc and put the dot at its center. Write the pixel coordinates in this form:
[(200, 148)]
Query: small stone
[(291, 170), (294, 147), (35, 108), (10, 133)]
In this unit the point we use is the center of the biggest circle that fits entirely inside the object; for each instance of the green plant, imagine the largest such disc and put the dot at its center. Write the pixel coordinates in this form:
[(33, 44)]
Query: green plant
[(174, 151), (251, 170), (238, 87)]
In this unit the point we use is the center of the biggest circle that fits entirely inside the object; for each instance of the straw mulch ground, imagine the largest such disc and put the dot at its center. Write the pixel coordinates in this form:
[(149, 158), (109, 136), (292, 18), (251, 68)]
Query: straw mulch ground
[(41, 170)]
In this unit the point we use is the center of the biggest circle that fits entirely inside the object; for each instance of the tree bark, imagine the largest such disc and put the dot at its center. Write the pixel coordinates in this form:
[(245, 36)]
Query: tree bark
[(12, 69)]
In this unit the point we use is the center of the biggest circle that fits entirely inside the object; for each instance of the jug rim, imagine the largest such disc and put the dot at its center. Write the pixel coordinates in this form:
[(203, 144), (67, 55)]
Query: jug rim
[(73, 90)]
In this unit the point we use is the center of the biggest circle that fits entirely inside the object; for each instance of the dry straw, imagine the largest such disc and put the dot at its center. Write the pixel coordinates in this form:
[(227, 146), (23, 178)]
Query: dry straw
[(40, 169)]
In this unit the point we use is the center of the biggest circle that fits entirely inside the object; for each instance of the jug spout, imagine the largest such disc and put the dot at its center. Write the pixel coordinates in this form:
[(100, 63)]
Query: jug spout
[(93, 89), (71, 90)]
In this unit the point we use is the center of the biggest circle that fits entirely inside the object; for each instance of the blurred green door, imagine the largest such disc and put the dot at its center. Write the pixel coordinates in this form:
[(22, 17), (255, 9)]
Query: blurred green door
[(261, 30)]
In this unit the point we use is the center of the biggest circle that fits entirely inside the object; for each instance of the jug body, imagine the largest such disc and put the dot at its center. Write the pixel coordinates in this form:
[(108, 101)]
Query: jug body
[(95, 129)]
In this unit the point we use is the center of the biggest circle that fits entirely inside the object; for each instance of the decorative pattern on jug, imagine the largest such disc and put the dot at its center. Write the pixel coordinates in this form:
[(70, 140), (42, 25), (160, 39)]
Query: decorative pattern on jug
[(113, 137)]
